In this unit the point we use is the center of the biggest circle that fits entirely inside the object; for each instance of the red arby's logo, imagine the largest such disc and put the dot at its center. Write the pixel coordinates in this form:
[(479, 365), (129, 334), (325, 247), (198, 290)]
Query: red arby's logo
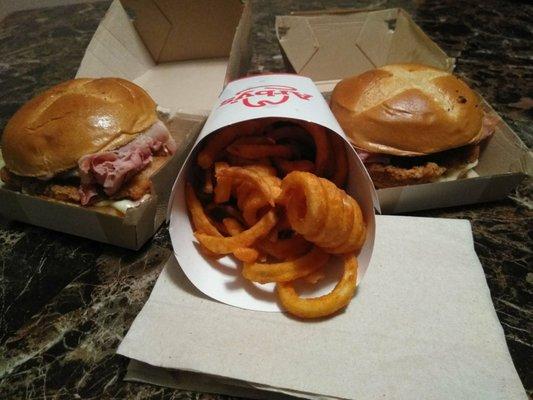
[(260, 96)]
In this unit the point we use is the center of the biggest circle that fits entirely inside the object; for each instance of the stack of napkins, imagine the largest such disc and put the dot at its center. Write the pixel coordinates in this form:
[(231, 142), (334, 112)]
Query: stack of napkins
[(421, 326)]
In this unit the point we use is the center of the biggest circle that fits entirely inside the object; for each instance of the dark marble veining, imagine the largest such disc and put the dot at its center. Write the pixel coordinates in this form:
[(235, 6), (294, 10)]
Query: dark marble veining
[(65, 302)]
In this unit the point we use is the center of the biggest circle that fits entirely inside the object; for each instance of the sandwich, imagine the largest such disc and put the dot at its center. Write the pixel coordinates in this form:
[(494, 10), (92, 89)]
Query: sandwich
[(412, 124), (90, 142)]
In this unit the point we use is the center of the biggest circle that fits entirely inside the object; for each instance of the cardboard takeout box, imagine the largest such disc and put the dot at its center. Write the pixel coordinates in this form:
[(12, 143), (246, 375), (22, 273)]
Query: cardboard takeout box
[(186, 90), (366, 40), (175, 30), (283, 96), (329, 46)]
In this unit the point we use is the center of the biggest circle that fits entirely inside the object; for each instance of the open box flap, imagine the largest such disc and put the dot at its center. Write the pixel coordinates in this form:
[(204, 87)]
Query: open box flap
[(117, 50), (409, 42), (167, 26), (298, 40), (332, 45), (152, 24), (241, 51)]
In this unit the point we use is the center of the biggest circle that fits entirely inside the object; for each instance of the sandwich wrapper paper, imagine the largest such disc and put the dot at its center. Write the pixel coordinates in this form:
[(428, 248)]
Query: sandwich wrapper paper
[(421, 326), (280, 96)]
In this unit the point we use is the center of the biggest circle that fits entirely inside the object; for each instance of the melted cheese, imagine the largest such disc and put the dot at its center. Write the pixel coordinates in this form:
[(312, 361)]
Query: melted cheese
[(121, 205), (464, 171), (163, 113)]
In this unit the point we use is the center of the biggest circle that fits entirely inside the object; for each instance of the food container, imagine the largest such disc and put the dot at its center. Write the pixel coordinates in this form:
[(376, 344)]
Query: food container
[(327, 46), (184, 90), (167, 27), (283, 96)]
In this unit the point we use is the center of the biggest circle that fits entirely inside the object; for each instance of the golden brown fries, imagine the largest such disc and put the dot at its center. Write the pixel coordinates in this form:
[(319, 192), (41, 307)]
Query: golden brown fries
[(340, 170), (322, 306), (315, 276), (246, 254), (201, 222), (222, 189), (321, 146), (227, 245), (298, 165), (288, 270), (322, 213), (284, 249), (254, 151), (270, 193)]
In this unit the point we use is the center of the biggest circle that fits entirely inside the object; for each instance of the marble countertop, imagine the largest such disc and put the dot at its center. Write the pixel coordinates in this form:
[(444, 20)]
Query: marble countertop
[(66, 302)]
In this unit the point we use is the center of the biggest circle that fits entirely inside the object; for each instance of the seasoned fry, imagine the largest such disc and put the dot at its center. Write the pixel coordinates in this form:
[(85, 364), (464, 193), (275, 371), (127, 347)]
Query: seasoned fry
[(255, 151), (305, 202), (356, 237), (264, 170), (325, 305), (287, 166), (253, 140), (335, 207), (321, 144), (237, 161), (233, 226), (215, 146), (288, 270), (208, 182), (254, 178), (315, 276), (345, 222), (242, 192), (291, 132), (280, 229), (284, 249), (221, 211), (251, 208), (227, 245), (246, 254), (218, 143), (200, 220), (223, 186), (339, 154), (319, 211)]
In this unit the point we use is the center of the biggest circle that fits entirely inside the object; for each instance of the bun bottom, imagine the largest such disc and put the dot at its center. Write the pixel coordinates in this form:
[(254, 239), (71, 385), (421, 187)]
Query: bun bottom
[(66, 191), (443, 166)]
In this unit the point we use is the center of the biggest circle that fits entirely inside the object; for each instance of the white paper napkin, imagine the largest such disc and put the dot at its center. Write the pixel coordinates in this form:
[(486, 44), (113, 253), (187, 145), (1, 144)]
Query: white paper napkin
[(422, 325)]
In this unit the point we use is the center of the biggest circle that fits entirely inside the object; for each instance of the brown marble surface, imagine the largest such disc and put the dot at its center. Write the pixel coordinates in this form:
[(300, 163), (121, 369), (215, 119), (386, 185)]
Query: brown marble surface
[(66, 302)]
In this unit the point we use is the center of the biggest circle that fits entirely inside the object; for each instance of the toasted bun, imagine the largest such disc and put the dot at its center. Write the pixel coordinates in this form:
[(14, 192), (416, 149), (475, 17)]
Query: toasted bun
[(407, 110), (51, 132)]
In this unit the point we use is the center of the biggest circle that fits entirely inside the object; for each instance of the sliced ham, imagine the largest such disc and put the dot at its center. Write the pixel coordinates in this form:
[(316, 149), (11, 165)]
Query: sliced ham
[(490, 122), (111, 169), (368, 157)]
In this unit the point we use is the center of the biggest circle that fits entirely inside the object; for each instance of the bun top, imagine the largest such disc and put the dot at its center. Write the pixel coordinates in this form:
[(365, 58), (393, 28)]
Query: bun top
[(407, 110), (51, 132)]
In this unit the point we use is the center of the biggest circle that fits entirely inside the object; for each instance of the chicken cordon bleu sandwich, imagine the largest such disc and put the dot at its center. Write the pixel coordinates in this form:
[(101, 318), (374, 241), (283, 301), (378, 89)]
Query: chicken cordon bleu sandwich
[(92, 142), (412, 124)]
